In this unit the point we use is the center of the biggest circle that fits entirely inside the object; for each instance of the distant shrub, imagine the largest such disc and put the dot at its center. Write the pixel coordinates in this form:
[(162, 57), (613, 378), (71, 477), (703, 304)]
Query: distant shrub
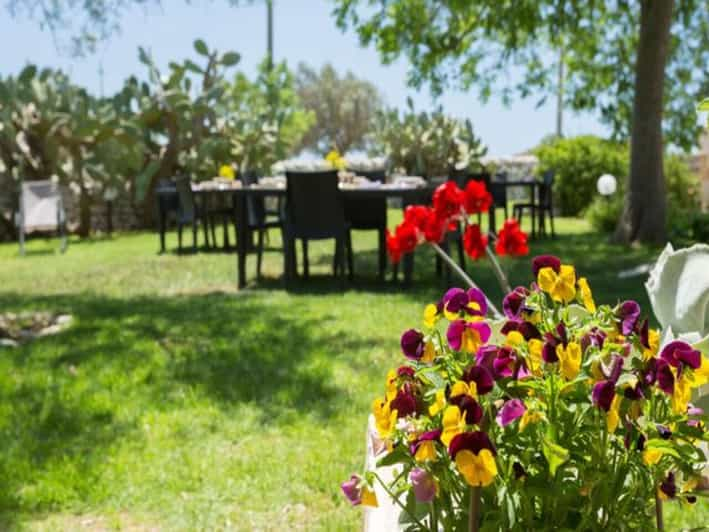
[(578, 162), (682, 202)]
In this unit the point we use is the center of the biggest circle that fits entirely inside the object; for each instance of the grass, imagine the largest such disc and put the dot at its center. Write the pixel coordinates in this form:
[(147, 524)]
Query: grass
[(176, 402)]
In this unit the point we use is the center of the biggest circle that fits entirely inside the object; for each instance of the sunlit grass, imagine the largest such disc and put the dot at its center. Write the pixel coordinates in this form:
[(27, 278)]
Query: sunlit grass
[(176, 402)]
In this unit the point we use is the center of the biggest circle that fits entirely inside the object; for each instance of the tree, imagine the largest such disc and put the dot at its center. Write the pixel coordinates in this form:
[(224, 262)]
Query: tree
[(640, 64), (344, 108)]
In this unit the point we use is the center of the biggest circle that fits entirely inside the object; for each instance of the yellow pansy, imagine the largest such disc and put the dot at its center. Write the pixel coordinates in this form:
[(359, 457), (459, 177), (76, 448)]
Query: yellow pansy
[(529, 416), (438, 404), (651, 456), (369, 498), (586, 295), (384, 417), (653, 337), (463, 388), (470, 341), (569, 359), (391, 390), (227, 171), (613, 416), (682, 395), (515, 339), (426, 452), (562, 286), (453, 424), (700, 376), (429, 353), (535, 355), (430, 315), (477, 469)]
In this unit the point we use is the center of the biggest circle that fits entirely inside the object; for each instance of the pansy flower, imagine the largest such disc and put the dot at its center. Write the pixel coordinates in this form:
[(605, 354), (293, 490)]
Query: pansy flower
[(560, 286), (586, 295), (627, 313), (513, 303), (384, 417), (526, 329), (424, 485), (467, 336), (453, 424), (482, 378), (412, 344), (405, 402), (650, 340), (545, 261), (679, 353), (464, 396), (569, 360), (430, 315), (357, 493), (510, 411), (423, 448), (474, 456)]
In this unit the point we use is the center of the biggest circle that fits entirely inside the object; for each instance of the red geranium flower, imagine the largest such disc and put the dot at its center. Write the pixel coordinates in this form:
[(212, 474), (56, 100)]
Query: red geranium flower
[(435, 227), (416, 215), (448, 200), (474, 242), (511, 240), (407, 235), (476, 197), (393, 248)]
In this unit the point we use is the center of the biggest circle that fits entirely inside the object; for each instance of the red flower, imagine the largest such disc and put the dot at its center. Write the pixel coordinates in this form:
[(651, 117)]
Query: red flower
[(407, 235), (511, 240), (476, 197), (393, 248), (416, 215), (448, 200), (435, 227), (474, 242)]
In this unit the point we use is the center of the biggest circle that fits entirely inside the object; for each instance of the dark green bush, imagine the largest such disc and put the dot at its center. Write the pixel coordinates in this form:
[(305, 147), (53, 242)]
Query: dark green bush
[(578, 162)]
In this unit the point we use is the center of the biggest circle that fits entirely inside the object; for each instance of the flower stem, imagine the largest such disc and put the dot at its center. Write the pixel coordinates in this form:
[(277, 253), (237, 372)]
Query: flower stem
[(398, 502), (457, 269), (658, 513), (501, 277), (474, 511)]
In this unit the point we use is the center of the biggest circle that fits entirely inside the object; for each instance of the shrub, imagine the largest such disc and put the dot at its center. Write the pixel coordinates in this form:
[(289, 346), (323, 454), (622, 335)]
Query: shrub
[(682, 201), (578, 162)]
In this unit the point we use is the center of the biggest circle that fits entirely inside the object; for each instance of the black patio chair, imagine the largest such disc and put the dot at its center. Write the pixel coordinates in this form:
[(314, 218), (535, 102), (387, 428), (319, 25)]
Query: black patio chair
[(370, 214), (542, 207), (498, 190), (314, 211), (189, 212), (258, 218)]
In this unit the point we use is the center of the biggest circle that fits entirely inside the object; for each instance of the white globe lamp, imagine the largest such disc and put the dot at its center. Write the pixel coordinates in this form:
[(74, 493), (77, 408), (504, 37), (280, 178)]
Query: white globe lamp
[(607, 185)]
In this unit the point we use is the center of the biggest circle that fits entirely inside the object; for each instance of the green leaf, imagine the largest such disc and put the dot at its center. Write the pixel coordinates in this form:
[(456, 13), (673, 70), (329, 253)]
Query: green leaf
[(398, 455), (703, 105), (201, 47), (143, 56), (27, 73), (193, 67), (555, 454), (230, 59)]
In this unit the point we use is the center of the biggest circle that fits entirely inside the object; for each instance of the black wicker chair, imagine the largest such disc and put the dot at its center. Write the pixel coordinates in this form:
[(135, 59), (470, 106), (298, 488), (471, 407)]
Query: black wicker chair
[(370, 214), (314, 211), (542, 208), (189, 212)]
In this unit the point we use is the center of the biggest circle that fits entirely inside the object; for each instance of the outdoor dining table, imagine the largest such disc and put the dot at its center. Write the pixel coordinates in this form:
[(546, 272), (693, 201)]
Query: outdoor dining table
[(239, 197)]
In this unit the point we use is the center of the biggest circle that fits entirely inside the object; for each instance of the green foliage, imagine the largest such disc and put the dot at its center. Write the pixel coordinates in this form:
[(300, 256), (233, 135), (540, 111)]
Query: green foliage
[(474, 44), (682, 189), (577, 163), (429, 144), (344, 108)]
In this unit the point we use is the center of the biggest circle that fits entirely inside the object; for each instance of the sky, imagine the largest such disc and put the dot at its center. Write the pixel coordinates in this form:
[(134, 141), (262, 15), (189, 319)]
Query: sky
[(304, 31)]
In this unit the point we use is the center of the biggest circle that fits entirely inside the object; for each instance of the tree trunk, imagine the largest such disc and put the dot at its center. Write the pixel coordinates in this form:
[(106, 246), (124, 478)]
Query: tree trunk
[(644, 218), (84, 213)]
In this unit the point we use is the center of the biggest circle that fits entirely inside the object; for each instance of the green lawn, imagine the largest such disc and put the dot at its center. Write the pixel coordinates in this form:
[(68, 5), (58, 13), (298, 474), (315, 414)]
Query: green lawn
[(175, 402)]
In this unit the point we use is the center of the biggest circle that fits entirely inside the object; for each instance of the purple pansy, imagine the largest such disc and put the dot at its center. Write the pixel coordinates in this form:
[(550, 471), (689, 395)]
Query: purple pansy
[(664, 376), (431, 435), (511, 410), (457, 328), (352, 490), (594, 338), (469, 407), (513, 303), (526, 329), (678, 352), (628, 313), (603, 394), (545, 261), (481, 377), (472, 441), (405, 403), (412, 344), (423, 484)]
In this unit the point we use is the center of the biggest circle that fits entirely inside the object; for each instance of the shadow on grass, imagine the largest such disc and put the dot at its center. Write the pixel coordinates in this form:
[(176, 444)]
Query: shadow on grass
[(69, 397)]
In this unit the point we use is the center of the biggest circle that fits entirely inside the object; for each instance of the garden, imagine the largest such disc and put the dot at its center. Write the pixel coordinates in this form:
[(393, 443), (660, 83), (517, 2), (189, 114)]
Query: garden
[(270, 300)]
